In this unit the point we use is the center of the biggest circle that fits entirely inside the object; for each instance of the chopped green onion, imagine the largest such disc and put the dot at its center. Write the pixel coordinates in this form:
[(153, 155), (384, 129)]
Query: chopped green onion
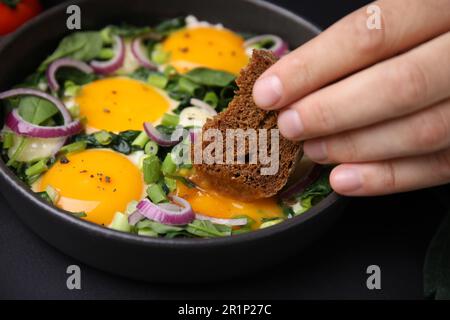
[(120, 223), (37, 168), (71, 89), (170, 183), (270, 223), (74, 147), (8, 140), (106, 35), (103, 137), (44, 195), (147, 232), (131, 207), (52, 193), (158, 80), (211, 98), (170, 120), (187, 86), (168, 165), (159, 56), (140, 140), (156, 193), (22, 143), (170, 71), (151, 148), (151, 167), (81, 214), (74, 110), (106, 54)]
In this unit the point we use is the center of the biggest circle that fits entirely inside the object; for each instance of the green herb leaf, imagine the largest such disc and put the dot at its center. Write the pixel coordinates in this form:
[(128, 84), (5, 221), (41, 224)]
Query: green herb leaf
[(207, 229), (83, 45), (129, 31), (36, 110), (171, 25), (157, 227), (209, 77)]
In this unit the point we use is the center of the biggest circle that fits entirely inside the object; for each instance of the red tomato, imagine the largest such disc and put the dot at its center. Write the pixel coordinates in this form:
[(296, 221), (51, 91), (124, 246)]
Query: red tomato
[(13, 16)]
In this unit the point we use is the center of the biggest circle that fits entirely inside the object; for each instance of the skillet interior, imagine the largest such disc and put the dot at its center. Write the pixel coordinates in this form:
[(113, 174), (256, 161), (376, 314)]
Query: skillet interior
[(162, 260)]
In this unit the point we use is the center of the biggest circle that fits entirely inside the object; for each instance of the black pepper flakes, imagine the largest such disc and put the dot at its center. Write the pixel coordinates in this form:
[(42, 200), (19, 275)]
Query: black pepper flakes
[(64, 160)]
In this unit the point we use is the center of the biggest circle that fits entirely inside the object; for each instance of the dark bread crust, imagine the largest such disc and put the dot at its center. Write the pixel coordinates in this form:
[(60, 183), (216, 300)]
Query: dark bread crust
[(245, 181)]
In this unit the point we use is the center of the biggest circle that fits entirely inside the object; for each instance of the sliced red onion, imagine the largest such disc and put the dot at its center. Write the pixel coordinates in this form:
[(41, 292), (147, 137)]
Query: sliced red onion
[(160, 138), (193, 134), (301, 184), (227, 222), (112, 65), (135, 217), (61, 63), (177, 216), (204, 106), (279, 48), (20, 126), (139, 54)]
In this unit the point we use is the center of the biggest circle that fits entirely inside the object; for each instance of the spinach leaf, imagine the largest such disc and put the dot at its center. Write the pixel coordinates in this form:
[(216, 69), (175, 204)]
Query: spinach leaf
[(171, 25), (76, 76), (128, 31), (141, 74), (36, 110), (209, 77), (204, 228), (158, 227), (121, 142), (313, 193), (83, 45)]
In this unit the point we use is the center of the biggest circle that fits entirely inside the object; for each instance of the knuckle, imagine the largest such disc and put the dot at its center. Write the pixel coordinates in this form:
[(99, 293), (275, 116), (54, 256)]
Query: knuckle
[(432, 131), (318, 114), (301, 73), (409, 83), (344, 149), (443, 164), (389, 180), (368, 41)]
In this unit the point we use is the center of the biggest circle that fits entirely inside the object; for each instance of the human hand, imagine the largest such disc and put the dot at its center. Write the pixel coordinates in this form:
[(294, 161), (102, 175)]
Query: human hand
[(374, 101)]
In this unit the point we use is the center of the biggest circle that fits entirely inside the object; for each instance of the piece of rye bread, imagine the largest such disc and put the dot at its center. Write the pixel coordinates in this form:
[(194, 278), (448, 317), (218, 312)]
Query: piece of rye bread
[(244, 181)]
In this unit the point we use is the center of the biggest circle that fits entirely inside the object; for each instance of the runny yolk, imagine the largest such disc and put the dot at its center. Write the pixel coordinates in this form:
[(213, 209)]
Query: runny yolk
[(209, 47), (97, 182), (120, 104), (211, 203)]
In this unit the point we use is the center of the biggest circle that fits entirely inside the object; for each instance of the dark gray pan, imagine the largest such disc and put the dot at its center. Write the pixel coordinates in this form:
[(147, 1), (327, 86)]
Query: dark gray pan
[(153, 259)]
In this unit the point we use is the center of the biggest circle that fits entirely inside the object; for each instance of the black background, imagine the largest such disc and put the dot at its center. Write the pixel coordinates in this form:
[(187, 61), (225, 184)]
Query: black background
[(392, 232)]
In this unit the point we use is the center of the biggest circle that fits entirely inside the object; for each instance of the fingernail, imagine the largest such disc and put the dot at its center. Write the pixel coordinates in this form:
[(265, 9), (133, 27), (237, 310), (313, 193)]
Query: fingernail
[(346, 179), (267, 91), (290, 124), (316, 150)]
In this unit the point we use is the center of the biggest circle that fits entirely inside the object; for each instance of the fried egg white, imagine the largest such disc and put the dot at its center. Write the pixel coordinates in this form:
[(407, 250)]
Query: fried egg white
[(201, 44), (98, 182), (120, 103)]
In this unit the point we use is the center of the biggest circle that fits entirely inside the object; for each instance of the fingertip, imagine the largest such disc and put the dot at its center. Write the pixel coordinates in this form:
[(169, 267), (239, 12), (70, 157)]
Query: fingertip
[(290, 124), (346, 180), (267, 91)]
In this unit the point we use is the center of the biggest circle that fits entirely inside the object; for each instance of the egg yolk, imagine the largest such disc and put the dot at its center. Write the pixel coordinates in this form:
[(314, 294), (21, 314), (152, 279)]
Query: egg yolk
[(211, 203), (209, 47), (120, 104), (97, 182)]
